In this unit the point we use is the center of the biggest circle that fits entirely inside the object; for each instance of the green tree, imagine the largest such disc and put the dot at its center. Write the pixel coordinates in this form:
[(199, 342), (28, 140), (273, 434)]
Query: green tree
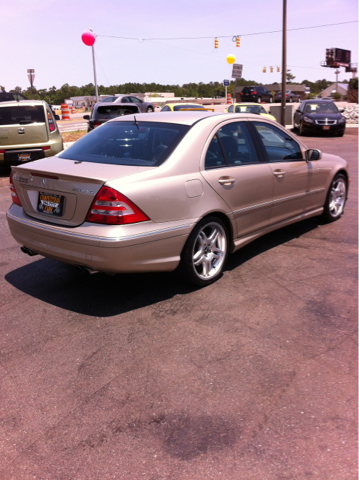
[(290, 76)]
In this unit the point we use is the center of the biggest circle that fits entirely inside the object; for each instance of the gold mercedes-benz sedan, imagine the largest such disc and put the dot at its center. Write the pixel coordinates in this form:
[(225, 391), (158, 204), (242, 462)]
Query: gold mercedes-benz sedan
[(176, 190)]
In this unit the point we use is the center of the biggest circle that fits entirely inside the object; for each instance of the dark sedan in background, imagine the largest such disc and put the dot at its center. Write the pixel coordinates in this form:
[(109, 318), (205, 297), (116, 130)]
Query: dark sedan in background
[(145, 107), (256, 94), (103, 112), (289, 96), (319, 116)]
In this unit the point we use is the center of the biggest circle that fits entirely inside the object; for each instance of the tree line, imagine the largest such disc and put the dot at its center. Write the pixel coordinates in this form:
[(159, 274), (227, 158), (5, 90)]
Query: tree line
[(57, 96)]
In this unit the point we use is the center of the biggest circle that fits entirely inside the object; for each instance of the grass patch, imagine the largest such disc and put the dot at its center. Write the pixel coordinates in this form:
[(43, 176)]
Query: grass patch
[(73, 136)]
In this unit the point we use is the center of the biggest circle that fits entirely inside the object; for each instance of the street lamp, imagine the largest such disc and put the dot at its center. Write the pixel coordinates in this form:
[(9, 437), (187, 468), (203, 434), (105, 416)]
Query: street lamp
[(89, 38)]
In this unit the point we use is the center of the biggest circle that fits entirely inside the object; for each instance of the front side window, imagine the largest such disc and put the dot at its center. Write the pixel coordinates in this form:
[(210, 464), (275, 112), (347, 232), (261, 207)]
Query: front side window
[(230, 109), (166, 109), (278, 145), (146, 144), (231, 146)]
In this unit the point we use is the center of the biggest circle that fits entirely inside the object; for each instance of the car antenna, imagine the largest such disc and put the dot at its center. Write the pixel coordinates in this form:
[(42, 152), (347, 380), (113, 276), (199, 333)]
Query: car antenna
[(136, 122)]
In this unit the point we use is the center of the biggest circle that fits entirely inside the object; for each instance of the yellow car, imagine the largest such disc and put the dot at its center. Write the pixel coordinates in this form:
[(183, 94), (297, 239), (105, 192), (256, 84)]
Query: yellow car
[(175, 107), (249, 108)]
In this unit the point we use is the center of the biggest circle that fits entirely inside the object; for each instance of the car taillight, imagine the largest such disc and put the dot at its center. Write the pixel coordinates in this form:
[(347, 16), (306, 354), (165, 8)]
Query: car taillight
[(2, 151), (286, 94), (96, 123), (14, 196), (254, 93), (46, 148), (242, 93), (113, 208), (52, 127)]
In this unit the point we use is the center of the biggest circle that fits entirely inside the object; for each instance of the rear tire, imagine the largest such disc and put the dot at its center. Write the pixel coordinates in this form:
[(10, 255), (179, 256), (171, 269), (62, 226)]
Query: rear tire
[(270, 99), (205, 252), (336, 198), (301, 129), (259, 99), (149, 110)]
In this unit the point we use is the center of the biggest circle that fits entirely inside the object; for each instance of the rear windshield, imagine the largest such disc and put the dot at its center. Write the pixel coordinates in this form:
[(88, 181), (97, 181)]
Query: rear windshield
[(22, 114), (250, 109), (113, 111), (181, 107), (248, 89), (108, 99), (128, 143)]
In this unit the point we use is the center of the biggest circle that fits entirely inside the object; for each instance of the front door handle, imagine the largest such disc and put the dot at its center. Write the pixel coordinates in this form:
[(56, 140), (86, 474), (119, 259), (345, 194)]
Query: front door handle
[(279, 173), (226, 180)]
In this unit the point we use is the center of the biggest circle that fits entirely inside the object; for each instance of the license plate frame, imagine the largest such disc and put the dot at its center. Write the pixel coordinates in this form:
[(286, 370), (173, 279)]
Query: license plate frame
[(50, 204), (326, 127), (24, 157)]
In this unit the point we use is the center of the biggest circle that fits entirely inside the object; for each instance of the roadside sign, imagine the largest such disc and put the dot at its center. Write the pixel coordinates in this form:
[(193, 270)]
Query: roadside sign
[(226, 83), (237, 70), (31, 75)]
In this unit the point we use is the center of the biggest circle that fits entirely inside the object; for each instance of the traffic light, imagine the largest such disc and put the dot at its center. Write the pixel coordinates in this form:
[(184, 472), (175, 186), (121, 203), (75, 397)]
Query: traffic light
[(238, 42), (216, 43), (271, 69), (278, 69), (264, 69)]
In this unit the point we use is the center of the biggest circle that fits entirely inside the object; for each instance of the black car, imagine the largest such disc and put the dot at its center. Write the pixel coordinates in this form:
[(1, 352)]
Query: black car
[(11, 96), (319, 116), (256, 94), (103, 112)]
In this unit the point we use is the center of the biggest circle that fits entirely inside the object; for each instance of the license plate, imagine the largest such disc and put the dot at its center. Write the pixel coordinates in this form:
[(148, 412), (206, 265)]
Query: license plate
[(50, 204), (326, 128), (24, 157)]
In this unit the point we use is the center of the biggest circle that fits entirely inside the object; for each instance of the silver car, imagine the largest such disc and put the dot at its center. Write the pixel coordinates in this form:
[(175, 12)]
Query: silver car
[(176, 190), (145, 107)]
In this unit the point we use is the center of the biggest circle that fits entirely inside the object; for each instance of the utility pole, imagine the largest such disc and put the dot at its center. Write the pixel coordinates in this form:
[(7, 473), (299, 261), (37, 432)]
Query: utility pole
[(284, 64), (336, 82)]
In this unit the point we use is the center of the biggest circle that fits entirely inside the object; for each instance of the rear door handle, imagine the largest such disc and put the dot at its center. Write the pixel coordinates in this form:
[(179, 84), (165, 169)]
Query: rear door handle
[(226, 180), (279, 173)]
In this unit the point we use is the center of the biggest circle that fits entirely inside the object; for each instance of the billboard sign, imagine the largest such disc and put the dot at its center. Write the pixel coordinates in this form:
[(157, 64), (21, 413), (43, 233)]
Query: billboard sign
[(237, 70), (337, 57)]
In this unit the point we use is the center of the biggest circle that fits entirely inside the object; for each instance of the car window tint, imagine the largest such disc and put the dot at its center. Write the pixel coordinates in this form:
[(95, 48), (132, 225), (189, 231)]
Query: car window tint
[(135, 100), (177, 108), (22, 115), (214, 155), (237, 144), (144, 144), (113, 111), (166, 109), (230, 109), (278, 145), (324, 107), (124, 100)]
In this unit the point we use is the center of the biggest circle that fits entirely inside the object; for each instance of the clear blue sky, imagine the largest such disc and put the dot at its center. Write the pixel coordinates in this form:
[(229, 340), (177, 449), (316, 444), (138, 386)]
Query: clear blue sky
[(46, 36)]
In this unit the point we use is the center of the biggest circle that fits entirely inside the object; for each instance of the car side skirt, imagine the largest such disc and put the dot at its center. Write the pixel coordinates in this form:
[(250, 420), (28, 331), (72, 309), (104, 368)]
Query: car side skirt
[(242, 241)]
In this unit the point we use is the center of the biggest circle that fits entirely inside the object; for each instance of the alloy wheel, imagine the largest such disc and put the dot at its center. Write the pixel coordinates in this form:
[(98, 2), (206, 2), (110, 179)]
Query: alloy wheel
[(337, 197), (209, 251)]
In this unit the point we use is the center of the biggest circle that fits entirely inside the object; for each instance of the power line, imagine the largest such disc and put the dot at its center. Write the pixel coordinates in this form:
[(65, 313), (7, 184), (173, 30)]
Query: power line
[(226, 36)]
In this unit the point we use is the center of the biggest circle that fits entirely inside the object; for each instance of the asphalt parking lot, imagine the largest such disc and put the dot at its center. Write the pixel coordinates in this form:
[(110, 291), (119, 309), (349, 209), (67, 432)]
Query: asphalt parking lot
[(142, 377)]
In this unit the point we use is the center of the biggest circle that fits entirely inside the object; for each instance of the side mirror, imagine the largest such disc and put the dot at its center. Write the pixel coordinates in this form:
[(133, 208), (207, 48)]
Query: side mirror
[(313, 155), (86, 117), (57, 117)]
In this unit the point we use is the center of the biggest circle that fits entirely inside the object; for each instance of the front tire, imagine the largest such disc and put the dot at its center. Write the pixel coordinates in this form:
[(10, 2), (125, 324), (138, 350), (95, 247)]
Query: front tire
[(205, 252), (301, 129), (336, 198)]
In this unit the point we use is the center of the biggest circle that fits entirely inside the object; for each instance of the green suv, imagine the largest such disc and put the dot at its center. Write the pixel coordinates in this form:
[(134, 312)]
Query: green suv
[(28, 131)]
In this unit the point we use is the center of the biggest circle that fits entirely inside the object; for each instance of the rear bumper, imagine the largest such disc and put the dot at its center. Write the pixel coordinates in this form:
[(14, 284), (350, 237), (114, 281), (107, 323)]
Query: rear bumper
[(158, 249), (10, 157)]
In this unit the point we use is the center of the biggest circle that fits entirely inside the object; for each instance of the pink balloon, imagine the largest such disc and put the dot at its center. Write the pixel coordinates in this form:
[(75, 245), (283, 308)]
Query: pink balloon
[(88, 38)]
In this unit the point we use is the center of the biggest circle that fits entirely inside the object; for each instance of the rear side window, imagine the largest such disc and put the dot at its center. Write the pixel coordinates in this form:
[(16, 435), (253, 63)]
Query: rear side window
[(128, 143), (231, 146), (21, 114), (113, 111)]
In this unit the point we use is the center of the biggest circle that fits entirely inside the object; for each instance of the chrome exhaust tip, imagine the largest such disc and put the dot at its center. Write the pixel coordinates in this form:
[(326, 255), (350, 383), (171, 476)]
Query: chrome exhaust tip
[(28, 251), (86, 270)]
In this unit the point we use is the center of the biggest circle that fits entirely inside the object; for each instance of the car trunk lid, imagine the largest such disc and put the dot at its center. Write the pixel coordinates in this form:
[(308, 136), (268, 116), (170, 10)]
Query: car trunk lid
[(61, 191)]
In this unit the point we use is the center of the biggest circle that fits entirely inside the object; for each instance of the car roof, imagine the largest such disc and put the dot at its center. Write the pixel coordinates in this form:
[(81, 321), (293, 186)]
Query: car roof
[(186, 117), (182, 103), (118, 104), (25, 102)]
